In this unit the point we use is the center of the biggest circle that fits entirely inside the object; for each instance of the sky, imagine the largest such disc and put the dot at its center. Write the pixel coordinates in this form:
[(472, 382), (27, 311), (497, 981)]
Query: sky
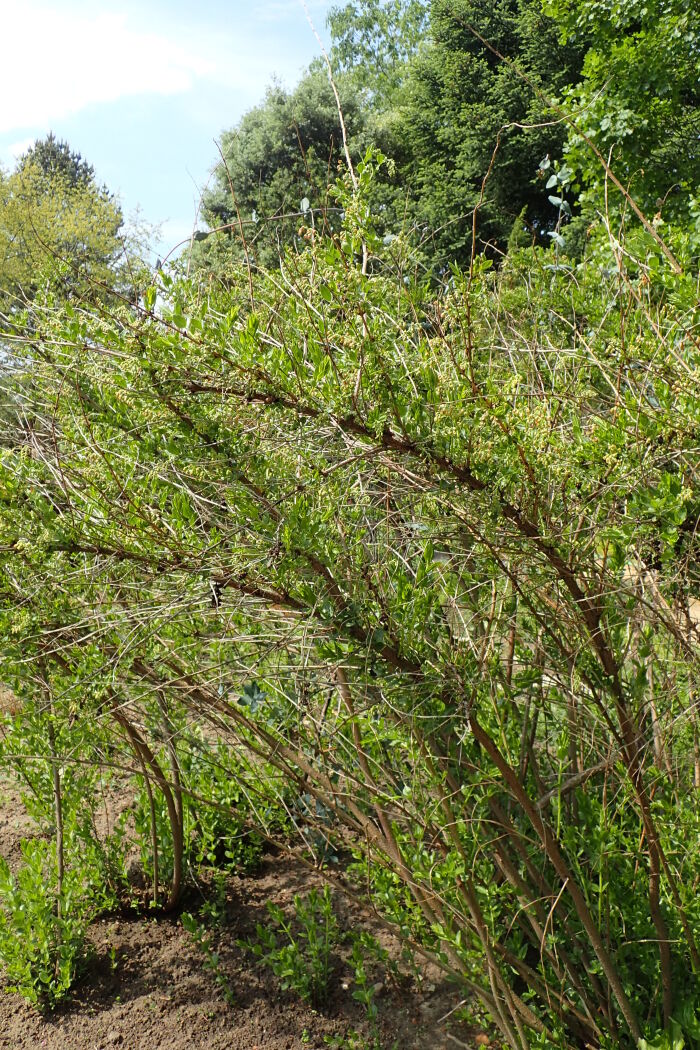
[(144, 88)]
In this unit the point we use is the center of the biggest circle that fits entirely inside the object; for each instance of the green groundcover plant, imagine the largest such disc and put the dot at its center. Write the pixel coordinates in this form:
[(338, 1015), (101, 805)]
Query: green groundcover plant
[(299, 950), (43, 924)]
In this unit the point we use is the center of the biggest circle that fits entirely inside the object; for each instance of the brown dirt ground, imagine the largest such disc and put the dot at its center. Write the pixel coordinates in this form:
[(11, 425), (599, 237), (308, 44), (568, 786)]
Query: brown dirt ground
[(147, 989)]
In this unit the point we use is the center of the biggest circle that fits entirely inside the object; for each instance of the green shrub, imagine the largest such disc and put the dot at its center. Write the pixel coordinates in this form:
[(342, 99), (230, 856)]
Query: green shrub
[(43, 928), (299, 950), (454, 547)]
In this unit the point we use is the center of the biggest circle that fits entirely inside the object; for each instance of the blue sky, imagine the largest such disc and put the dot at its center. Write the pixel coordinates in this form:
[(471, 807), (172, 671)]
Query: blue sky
[(142, 88)]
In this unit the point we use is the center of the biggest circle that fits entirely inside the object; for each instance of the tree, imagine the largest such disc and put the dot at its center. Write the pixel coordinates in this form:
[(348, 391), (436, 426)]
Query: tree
[(637, 100), (486, 106), (276, 169), (471, 121), (58, 228), (287, 150), (374, 39), (417, 82), (54, 157)]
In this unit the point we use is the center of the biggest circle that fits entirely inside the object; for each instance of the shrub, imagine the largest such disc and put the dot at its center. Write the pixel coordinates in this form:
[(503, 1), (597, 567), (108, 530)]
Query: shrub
[(44, 922), (455, 545), (299, 950)]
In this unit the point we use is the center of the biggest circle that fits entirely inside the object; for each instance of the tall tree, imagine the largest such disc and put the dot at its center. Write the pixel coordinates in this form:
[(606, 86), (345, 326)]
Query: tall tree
[(374, 39), (638, 98), (287, 150), (57, 226), (276, 169), (415, 80), (54, 157), (470, 114)]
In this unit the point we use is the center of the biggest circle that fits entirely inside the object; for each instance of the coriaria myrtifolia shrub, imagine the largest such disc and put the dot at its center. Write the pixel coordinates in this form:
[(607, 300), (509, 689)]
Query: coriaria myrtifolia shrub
[(453, 543)]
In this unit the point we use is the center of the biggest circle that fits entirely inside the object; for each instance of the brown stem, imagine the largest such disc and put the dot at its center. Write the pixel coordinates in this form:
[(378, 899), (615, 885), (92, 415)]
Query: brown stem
[(140, 745), (58, 813), (151, 817), (546, 836)]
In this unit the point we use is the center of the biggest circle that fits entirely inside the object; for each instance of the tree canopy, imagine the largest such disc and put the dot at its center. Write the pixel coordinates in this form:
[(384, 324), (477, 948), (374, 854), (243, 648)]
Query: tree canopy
[(54, 157), (494, 104), (478, 124), (637, 100), (57, 225), (374, 39), (276, 170)]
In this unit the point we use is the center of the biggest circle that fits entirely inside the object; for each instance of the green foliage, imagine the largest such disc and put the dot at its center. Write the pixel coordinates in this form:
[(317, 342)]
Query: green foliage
[(322, 555), (44, 922), (277, 168), (40, 740), (48, 903), (56, 160), (466, 99), (354, 1040), (299, 950), (637, 100), (390, 895), (218, 816), (679, 1034), (416, 80), (365, 949), (374, 39), (203, 941), (59, 229), (424, 565), (468, 112)]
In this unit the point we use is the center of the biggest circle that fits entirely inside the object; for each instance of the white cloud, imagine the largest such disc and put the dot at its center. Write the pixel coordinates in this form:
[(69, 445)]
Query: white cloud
[(60, 56), (56, 62), (16, 149)]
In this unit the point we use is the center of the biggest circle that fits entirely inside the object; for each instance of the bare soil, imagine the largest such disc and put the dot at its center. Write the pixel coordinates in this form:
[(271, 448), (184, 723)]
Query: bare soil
[(146, 987)]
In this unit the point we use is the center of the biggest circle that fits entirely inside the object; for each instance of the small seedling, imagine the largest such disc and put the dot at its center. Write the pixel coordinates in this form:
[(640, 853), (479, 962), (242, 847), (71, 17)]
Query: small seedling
[(213, 911), (203, 940), (299, 952), (365, 946), (364, 990), (353, 1040)]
